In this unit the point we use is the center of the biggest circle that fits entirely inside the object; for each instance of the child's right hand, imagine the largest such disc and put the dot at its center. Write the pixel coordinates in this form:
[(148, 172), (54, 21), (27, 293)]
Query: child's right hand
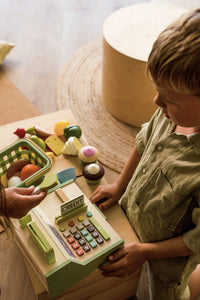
[(20, 200), (110, 193)]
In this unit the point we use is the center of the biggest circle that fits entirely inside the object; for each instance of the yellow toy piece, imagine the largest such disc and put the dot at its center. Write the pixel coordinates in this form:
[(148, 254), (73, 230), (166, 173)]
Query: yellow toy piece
[(4, 180), (50, 154), (59, 127), (55, 144)]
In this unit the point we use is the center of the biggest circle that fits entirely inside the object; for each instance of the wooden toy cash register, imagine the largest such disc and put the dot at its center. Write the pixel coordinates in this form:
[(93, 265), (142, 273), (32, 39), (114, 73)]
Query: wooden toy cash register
[(68, 236)]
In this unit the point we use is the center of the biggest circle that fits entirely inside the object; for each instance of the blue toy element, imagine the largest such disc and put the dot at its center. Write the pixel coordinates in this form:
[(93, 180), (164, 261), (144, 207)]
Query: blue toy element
[(64, 177)]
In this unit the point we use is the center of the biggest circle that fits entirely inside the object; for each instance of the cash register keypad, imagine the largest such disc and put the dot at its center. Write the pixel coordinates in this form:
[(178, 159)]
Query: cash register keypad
[(88, 234)]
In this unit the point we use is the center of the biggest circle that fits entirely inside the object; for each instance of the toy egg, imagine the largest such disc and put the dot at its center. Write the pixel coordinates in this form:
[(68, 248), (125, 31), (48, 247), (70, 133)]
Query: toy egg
[(72, 146), (88, 154), (14, 181), (93, 173)]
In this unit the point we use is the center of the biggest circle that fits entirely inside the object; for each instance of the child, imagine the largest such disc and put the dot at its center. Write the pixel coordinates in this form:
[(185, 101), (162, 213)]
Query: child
[(160, 182)]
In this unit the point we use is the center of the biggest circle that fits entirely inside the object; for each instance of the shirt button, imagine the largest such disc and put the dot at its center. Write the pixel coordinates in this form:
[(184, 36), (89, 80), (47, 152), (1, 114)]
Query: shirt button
[(160, 148), (144, 170)]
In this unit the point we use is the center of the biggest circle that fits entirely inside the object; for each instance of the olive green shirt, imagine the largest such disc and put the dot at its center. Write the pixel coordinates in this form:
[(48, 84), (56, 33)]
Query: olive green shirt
[(163, 197)]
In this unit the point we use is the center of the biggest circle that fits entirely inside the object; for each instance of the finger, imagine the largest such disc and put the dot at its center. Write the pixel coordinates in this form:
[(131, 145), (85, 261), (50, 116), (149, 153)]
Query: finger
[(118, 265), (32, 200), (98, 195), (25, 191), (118, 273), (106, 204), (117, 255)]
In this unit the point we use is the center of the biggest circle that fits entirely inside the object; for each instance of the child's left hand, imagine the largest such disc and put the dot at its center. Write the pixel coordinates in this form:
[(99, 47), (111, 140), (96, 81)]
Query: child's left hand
[(124, 262)]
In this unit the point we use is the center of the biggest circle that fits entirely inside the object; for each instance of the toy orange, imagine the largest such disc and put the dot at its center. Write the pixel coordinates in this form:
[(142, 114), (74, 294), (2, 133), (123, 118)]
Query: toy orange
[(28, 170)]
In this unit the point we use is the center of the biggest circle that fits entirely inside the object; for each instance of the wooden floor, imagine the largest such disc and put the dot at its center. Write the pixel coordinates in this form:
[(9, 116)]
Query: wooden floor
[(46, 33)]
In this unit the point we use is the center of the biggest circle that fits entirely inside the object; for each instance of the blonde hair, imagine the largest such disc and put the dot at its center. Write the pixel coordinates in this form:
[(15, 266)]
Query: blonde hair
[(175, 56)]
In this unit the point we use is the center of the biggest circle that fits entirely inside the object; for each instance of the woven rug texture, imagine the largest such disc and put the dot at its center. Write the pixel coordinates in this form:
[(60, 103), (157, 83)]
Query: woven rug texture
[(79, 89)]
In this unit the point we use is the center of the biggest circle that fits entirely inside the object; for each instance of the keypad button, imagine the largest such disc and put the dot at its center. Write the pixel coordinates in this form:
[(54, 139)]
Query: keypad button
[(79, 227), (86, 248), (93, 244), (66, 233), (62, 228), (95, 234), (75, 246), (86, 223), (90, 229), (70, 239), (100, 240), (71, 223), (77, 236), (84, 232), (82, 242), (80, 252), (80, 218), (100, 229), (89, 214), (88, 238), (73, 230)]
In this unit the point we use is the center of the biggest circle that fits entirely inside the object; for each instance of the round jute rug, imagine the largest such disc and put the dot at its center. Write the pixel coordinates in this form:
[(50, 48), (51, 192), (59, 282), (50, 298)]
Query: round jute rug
[(79, 88)]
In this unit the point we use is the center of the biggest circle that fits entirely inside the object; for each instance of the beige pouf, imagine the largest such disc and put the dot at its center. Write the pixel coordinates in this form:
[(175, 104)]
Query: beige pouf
[(128, 35)]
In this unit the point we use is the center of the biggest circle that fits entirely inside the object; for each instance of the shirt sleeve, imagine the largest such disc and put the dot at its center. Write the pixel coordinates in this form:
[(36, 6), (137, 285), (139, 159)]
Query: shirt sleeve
[(191, 237), (144, 134)]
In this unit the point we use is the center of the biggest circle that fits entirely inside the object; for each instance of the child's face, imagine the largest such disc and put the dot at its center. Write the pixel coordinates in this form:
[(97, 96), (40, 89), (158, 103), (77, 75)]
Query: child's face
[(182, 109)]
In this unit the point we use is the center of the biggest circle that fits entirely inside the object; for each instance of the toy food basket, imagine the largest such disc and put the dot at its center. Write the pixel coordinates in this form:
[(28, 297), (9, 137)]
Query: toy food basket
[(25, 149)]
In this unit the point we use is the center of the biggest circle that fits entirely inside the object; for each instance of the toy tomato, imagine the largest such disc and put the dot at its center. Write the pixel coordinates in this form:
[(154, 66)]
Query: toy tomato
[(28, 170)]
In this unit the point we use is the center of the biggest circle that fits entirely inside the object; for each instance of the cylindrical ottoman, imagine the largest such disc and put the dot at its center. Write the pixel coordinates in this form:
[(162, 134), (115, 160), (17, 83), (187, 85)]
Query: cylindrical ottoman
[(128, 35)]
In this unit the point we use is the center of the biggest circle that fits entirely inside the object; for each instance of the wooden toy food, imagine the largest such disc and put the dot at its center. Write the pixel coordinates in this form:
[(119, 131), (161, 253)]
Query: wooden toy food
[(55, 144), (16, 166), (38, 142), (39, 132), (28, 170), (72, 146), (59, 127), (93, 173), (4, 180), (72, 130), (14, 181), (20, 132), (88, 154), (49, 181)]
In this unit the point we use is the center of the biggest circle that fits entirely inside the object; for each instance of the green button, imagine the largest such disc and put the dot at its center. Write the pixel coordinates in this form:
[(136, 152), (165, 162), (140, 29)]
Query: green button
[(84, 232), (100, 229), (62, 228), (93, 244), (89, 214), (88, 238)]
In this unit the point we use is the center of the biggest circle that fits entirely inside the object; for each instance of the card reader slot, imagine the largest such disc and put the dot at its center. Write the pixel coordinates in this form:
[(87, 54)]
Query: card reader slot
[(41, 242)]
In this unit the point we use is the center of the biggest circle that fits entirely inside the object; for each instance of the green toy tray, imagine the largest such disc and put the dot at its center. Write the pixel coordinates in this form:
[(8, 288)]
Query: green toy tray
[(25, 149)]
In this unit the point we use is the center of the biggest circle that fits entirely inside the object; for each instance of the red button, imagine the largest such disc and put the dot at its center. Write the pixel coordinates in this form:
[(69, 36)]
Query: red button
[(80, 252), (71, 223), (70, 239), (75, 246)]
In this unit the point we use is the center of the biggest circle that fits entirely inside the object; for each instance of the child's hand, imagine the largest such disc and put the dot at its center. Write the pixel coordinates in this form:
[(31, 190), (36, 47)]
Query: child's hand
[(19, 201), (109, 192), (124, 262)]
